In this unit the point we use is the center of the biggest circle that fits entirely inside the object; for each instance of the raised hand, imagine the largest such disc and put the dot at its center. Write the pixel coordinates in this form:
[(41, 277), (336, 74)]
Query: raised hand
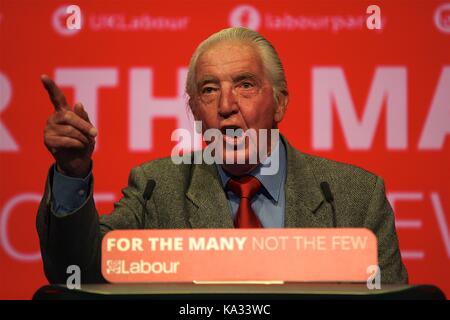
[(68, 133)]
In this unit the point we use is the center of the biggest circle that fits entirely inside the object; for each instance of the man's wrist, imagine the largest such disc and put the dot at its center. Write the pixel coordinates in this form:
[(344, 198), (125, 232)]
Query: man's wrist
[(81, 172)]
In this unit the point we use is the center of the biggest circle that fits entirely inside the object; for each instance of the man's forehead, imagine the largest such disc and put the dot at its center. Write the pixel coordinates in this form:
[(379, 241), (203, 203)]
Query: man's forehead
[(229, 60)]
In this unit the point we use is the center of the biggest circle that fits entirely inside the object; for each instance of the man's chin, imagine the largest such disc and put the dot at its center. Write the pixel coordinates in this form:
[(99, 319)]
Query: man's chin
[(239, 162), (236, 156)]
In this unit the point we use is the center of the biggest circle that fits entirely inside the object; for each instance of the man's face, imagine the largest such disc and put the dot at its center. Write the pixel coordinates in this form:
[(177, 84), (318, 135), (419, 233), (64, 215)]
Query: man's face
[(234, 92)]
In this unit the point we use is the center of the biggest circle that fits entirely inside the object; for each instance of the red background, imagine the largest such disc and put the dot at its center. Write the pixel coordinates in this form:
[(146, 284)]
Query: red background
[(410, 39)]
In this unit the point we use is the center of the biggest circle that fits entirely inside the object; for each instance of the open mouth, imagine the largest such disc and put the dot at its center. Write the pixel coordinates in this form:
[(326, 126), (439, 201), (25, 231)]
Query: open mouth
[(232, 131)]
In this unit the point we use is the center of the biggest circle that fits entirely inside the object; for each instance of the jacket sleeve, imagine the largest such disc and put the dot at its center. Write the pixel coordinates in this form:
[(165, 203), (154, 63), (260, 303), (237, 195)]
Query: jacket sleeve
[(75, 239), (380, 219)]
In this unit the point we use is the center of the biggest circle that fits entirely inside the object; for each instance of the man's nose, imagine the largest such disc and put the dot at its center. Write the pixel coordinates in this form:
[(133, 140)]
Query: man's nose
[(228, 102)]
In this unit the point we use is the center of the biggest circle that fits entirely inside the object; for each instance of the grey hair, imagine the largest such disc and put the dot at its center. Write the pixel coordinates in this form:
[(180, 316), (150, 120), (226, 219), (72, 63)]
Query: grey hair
[(271, 61)]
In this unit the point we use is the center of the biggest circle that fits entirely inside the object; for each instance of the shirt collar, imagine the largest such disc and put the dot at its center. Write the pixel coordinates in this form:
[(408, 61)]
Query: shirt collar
[(272, 183)]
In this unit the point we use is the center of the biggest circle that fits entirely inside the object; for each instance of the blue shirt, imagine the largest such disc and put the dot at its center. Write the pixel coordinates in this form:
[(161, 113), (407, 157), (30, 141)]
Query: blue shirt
[(69, 193), (269, 203)]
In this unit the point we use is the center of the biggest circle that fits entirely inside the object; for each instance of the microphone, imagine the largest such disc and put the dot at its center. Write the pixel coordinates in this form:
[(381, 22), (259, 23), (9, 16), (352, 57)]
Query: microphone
[(146, 195), (325, 187)]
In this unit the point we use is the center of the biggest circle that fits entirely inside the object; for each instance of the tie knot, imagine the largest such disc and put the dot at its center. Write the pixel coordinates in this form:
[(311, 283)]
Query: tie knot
[(245, 186)]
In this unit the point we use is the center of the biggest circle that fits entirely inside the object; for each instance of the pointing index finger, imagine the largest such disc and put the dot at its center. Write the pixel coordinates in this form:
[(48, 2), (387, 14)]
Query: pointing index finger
[(56, 95)]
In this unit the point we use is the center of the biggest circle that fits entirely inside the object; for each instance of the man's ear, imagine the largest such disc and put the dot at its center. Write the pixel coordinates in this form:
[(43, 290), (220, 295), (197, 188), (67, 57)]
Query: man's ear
[(283, 100)]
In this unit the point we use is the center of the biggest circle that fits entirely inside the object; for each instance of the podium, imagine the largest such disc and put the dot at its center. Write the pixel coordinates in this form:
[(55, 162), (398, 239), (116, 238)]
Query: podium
[(221, 292)]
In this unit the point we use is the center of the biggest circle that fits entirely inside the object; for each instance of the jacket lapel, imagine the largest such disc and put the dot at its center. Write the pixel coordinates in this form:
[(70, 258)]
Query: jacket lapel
[(210, 206), (305, 206)]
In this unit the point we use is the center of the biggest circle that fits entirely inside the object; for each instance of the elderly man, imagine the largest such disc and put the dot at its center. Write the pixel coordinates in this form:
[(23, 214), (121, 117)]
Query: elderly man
[(235, 81)]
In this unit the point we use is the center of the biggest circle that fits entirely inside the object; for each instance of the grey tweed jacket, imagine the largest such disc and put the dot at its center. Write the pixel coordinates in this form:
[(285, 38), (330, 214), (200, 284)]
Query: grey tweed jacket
[(191, 196)]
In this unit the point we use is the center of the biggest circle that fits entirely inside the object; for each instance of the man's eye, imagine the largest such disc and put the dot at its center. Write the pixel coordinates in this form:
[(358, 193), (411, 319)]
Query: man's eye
[(247, 85), (208, 90)]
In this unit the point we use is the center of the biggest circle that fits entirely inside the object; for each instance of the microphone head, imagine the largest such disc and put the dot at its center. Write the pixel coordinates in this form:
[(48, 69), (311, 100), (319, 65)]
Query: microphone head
[(149, 189), (326, 191)]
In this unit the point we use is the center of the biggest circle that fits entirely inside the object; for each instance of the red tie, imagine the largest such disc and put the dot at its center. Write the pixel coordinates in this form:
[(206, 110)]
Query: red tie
[(245, 188)]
